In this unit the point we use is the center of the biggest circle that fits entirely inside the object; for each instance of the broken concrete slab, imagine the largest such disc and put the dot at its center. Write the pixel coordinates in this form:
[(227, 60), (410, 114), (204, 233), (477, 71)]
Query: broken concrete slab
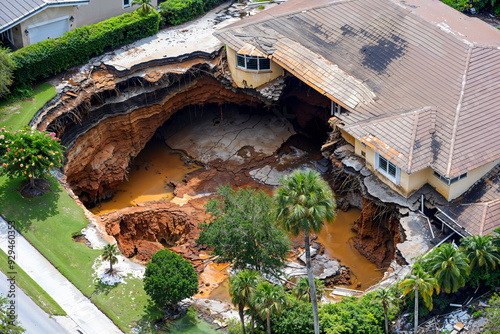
[(354, 162), (343, 151), (418, 237)]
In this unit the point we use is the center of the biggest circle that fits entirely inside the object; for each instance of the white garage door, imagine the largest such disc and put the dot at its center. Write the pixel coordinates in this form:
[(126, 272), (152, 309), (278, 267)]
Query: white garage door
[(52, 29)]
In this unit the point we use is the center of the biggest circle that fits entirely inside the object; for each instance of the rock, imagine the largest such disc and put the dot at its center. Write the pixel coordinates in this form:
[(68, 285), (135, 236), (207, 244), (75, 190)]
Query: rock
[(343, 204), (302, 256), (365, 171), (354, 162), (342, 151), (418, 237)]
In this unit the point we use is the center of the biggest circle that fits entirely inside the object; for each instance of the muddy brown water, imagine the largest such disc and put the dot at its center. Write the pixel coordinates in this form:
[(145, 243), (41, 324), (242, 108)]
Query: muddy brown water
[(157, 165), (150, 173)]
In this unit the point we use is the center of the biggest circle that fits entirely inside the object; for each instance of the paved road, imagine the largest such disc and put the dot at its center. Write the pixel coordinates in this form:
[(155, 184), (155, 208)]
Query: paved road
[(88, 318), (32, 317)]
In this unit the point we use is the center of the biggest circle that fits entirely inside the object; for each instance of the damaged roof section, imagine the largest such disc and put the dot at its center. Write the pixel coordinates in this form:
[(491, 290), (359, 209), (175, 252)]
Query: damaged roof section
[(404, 139), (478, 212), (384, 58)]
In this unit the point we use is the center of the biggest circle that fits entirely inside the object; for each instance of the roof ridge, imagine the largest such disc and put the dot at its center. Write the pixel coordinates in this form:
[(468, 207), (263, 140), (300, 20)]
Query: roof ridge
[(412, 140), (391, 116), (483, 219), (457, 111)]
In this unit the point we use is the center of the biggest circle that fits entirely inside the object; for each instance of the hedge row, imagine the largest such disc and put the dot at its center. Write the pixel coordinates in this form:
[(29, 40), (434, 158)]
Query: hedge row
[(180, 11), (49, 57)]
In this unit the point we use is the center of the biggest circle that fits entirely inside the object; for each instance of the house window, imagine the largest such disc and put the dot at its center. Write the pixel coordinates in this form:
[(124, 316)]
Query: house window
[(449, 181), (390, 170), (253, 63), (126, 3)]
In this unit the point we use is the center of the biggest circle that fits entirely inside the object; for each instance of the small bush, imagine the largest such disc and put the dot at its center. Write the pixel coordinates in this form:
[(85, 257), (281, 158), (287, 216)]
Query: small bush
[(177, 12), (49, 57), (6, 70)]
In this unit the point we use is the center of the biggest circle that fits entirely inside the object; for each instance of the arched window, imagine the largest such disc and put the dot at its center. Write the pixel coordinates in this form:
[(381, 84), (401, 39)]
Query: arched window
[(253, 63)]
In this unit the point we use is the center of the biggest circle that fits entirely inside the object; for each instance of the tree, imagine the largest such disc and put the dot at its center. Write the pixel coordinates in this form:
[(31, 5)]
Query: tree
[(169, 278), (303, 292), (449, 266), (241, 288), (496, 238), (6, 71), (269, 299), (304, 202), (481, 251), (493, 315), (109, 254), (421, 283), (386, 298), (144, 6), (8, 319), (29, 154), (242, 231)]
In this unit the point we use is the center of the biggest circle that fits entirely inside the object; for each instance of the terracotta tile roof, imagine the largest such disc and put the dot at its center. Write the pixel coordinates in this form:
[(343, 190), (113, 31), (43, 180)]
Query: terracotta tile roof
[(382, 58)]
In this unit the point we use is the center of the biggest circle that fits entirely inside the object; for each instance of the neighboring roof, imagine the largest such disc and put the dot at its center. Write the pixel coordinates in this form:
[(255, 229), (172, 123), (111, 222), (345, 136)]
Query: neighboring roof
[(384, 58), (14, 12), (478, 212)]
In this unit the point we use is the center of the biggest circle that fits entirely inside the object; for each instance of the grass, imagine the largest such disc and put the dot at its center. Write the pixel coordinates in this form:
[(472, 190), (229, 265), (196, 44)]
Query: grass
[(30, 287), (18, 113), (48, 222)]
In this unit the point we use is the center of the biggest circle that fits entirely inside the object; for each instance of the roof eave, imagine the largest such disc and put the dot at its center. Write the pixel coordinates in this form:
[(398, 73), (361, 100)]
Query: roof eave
[(40, 9)]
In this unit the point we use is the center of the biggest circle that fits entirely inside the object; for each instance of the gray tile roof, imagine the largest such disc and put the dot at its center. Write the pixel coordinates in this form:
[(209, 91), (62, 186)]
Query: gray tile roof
[(383, 58), (13, 12)]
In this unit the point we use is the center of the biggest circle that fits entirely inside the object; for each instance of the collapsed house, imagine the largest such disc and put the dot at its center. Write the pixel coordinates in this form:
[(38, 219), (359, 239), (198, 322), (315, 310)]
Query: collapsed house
[(414, 87)]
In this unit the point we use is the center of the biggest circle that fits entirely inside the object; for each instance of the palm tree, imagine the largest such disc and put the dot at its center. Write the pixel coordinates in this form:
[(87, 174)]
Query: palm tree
[(385, 297), (109, 254), (496, 238), (241, 287), (144, 5), (304, 203), (481, 251), (303, 292), (449, 266), (423, 283), (269, 299)]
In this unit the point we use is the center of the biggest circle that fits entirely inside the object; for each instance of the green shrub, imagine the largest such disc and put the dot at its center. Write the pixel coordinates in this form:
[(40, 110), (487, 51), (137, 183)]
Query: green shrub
[(6, 71), (458, 5), (179, 11), (49, 57)]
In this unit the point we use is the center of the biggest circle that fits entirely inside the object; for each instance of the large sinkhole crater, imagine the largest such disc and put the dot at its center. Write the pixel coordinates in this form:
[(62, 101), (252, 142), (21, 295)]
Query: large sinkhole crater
[(146, 155)]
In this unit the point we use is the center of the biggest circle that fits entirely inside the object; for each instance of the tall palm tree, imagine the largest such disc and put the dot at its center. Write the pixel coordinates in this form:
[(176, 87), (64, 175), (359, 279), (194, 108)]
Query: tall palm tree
[(481, 251), (241, 288), (423, 283), (304, 203), (269, 299), (386, 298), (109, 254), (145, 6), (449, 266), (303, 292)]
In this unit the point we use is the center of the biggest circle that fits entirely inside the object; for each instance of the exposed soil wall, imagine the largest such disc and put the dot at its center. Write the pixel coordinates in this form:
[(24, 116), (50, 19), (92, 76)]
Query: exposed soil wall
[(143, 230), (378, 233), (98, 160)]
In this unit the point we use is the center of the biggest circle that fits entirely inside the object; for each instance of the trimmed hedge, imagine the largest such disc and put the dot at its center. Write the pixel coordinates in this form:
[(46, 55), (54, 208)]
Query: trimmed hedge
[(180, 11), (49, 57)]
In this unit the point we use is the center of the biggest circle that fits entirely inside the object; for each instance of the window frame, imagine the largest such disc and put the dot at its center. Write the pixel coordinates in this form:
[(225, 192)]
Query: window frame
[(247, 58), (397, 173), (125, 6)]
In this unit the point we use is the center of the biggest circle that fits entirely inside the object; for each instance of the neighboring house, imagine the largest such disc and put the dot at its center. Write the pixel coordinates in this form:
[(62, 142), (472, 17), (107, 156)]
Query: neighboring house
[(25, 22), (415, 83)]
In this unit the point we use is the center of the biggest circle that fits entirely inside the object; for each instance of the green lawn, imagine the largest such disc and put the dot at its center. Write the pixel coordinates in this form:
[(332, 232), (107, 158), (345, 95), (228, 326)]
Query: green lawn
[(30, 287), (49, 222), (17, 114)]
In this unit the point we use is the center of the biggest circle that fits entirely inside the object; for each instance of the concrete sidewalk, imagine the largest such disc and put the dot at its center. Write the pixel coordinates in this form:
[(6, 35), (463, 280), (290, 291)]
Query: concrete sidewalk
[(88, 318)]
